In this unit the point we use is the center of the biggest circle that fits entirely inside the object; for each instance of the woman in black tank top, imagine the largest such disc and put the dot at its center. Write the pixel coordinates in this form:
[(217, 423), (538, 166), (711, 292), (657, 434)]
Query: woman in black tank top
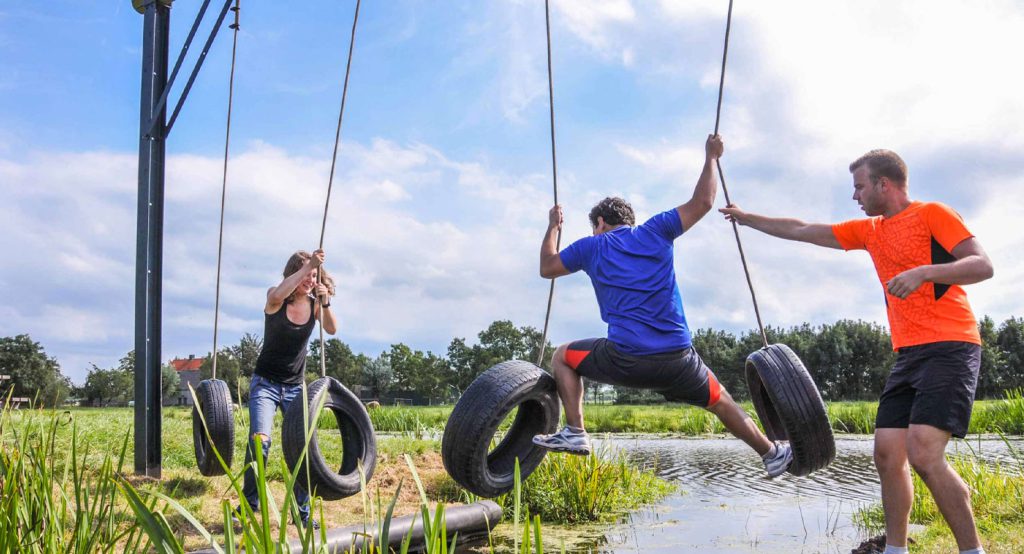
[(290, 313)]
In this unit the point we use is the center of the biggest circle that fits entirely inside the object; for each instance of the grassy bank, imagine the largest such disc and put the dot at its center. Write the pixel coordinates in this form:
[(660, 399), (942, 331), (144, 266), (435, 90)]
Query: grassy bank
[(62, 490), (990, 416), (997, 494)]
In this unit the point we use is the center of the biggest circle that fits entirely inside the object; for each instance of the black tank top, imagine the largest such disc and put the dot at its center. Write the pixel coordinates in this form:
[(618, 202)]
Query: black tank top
[(283, 357)]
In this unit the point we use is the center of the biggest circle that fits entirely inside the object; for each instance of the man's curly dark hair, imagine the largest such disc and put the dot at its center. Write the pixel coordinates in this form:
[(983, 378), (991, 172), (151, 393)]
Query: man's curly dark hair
[(614, 210)]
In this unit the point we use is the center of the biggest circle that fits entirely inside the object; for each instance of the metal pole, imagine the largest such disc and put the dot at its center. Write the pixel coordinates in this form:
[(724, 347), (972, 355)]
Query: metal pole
[(149, 246)]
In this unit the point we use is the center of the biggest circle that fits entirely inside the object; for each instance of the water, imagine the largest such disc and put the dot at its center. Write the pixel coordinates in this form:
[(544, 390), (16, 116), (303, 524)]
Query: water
[(726, 503)]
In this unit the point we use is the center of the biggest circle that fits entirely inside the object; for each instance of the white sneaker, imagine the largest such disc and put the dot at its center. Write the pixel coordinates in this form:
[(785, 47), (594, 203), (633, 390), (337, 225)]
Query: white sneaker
[(778, 460), (566, 440)]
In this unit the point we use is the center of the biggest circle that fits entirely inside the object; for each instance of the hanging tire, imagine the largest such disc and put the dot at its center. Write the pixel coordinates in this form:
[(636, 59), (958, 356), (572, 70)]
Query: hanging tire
[(217, 409), (474, 421), (790, 407), (358, 441)]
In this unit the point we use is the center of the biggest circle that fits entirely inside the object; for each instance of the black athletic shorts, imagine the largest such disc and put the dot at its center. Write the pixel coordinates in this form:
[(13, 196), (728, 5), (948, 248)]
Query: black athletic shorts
[(931, 384), (679, 375)]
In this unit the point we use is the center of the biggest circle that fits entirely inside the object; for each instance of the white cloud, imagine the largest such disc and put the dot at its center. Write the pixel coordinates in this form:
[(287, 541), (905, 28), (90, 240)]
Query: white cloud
[(809, 88), (666, 159), (591, 21), (420, 273), (839, 78), (433, 236)]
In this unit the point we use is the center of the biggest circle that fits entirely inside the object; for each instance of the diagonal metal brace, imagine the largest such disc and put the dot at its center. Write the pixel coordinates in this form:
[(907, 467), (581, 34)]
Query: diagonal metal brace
[(162, 103)]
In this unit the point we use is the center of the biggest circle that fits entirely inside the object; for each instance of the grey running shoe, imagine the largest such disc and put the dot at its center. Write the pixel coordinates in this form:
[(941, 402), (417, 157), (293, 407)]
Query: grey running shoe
[(236, 515), (566, 440), (778, 463)]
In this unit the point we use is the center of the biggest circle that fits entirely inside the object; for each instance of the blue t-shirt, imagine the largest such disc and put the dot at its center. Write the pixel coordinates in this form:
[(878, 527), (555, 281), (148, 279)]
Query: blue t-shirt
[(632, 271)]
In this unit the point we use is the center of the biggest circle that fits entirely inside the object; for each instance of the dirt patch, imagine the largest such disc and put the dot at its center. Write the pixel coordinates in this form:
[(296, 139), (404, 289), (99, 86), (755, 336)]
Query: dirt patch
[(874, 545), (391, 470)]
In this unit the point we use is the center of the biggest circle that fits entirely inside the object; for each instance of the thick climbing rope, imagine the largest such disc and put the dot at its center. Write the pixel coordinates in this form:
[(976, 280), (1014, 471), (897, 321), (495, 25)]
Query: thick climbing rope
[(224, 181), (554, 181), (330, 180), (735, 227)]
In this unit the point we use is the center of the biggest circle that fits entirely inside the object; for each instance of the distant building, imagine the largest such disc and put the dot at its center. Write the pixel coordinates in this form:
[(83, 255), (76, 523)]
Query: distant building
[(188, 373)]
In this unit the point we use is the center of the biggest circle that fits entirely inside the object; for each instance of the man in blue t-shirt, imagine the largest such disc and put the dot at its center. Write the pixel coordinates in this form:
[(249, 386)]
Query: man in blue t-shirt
[(648, 344)]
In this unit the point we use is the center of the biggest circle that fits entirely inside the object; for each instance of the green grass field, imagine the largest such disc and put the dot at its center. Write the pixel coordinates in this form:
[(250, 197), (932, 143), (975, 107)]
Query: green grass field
[(62, 474), (59, 481)]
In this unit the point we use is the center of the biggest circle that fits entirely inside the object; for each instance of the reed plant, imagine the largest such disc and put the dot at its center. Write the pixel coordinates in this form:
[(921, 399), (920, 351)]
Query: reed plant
[(567, 489), (1000, 416), (53, 500), (575, 489), (852, 417), (50, 501), (997, 497), (661, 418)]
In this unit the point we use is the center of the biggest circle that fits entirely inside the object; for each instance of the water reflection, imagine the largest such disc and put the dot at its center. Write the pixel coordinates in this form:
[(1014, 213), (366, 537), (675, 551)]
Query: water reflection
[(727, 504)]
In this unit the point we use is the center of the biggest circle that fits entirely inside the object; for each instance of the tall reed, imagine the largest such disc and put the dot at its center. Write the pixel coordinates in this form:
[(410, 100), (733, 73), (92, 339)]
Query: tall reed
[(50, 500)]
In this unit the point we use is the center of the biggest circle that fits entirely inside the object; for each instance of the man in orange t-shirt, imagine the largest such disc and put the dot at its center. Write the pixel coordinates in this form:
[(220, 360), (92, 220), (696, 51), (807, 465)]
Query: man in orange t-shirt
[(922, 252)]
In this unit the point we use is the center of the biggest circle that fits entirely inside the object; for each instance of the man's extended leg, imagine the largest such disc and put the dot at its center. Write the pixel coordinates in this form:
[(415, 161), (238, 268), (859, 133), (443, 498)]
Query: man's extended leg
[(570, 388), (897, 486), (739, 423), (926, 451), (776, 457), (573, 438)]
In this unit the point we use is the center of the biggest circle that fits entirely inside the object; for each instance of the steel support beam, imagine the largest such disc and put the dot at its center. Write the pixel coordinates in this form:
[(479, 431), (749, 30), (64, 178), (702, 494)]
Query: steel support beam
[(149, 245)]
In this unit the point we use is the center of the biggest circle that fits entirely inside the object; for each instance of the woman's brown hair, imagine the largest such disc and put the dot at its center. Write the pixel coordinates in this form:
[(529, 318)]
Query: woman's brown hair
[(298, 259)]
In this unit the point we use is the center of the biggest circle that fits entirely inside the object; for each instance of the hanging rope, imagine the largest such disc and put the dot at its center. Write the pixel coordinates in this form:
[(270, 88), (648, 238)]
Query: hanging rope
[(735, 227), (554, 181), (330, 181), (224, 182)]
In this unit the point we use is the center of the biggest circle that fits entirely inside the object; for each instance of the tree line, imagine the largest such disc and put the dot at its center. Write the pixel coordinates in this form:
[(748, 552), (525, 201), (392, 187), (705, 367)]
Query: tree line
[(849, 360)]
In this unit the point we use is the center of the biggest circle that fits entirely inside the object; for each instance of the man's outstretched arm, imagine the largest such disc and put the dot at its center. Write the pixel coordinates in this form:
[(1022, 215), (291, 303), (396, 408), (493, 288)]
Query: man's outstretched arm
[(551, 265), (707, 185), (784, 228)]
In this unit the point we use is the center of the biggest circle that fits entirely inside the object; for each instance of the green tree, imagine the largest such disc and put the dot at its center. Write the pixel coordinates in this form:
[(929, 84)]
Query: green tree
[(113, 386), (98, 388), (227, 370), (339, 360), (718, 350), (1011, 345), (415, 371), (992, 378), (246, 352), (34, 375), (170, 382), (501, 341), (378, 375)]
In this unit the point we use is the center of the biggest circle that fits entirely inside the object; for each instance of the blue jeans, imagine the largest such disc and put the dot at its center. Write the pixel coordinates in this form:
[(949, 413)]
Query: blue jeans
[(265, 397)]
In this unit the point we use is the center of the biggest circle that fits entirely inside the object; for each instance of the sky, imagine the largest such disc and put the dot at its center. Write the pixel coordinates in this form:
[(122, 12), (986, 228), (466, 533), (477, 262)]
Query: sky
[(444, 176)]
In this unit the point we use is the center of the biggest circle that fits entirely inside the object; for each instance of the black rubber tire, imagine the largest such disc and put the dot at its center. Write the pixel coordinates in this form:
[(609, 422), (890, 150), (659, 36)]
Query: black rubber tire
[(474, 421), (790, 407), (219, 413), (358, 441)]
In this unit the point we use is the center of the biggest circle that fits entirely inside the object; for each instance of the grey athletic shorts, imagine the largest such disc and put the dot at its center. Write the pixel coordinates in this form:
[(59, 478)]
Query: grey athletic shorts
[(679, 375)]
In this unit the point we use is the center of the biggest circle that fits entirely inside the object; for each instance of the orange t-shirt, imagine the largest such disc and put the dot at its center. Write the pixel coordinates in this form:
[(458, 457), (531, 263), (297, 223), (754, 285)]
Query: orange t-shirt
[(924, 233)]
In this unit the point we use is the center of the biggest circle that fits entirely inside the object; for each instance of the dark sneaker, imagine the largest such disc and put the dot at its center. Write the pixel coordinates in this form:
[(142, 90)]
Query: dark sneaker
[(566, 440), (777, 461)]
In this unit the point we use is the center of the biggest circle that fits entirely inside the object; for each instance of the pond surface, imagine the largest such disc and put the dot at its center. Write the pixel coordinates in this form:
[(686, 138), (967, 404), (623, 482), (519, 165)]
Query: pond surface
[(726, 502)]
